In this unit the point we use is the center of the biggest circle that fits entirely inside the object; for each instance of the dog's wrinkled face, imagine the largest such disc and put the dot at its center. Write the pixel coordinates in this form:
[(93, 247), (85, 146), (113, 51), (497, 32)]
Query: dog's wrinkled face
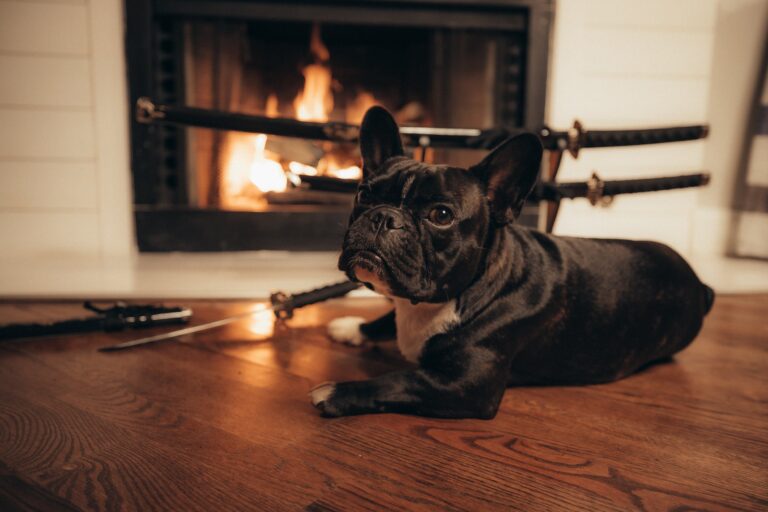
[(420, 231), (417, 231)]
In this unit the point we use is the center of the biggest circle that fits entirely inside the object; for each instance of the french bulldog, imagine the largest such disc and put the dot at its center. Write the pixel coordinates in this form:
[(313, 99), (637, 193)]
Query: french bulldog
[(482, 303)]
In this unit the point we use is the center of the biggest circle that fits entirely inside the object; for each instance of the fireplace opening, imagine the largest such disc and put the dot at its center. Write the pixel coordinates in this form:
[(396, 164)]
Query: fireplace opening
[(309, 72), (446, 65)]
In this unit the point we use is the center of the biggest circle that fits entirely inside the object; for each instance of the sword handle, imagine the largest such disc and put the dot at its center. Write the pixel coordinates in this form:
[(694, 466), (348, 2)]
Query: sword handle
[(608, 138), (284, 304), (615, 187), (32, 330)]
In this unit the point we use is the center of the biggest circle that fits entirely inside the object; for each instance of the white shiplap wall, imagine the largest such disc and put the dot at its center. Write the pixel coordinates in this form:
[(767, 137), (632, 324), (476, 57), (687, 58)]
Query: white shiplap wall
[(64, 180), (624, 63), (64, 177)]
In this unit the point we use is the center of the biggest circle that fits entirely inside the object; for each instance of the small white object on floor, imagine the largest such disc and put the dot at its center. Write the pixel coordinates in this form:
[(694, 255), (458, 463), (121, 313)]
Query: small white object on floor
[(346, 329), (321, 392)]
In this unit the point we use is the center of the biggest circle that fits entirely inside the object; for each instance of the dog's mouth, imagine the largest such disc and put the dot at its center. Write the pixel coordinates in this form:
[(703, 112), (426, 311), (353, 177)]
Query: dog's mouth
[(368, 268)]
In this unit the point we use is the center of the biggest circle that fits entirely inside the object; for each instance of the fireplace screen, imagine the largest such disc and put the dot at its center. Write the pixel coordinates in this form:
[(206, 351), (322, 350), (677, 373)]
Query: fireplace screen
[(203, 189)]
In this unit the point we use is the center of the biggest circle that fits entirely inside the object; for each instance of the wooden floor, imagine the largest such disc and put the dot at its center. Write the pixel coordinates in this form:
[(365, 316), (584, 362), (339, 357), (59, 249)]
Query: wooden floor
[(222, 421)]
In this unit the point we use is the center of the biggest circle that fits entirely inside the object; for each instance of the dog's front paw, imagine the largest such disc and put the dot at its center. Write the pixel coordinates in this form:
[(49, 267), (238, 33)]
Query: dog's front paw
[(321, 398), (347, 330)]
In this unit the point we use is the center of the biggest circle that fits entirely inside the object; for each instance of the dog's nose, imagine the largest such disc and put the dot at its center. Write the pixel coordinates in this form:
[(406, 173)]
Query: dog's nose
[(384, 220)]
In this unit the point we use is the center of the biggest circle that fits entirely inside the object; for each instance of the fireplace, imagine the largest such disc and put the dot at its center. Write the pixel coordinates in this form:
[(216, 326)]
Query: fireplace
[(447, 64)]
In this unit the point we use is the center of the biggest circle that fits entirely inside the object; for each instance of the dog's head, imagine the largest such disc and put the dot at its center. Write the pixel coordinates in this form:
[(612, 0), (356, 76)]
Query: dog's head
[(420, 231)]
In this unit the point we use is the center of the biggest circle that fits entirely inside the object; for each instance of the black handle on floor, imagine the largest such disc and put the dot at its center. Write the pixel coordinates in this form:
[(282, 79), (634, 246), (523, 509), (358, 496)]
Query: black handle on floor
[(285, 304)]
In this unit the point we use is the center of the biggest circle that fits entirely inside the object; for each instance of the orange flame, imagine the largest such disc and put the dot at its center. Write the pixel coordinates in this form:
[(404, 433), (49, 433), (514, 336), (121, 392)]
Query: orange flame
[(315, 102), (271, 107), (357, 108), (252, 167), (265, 173)]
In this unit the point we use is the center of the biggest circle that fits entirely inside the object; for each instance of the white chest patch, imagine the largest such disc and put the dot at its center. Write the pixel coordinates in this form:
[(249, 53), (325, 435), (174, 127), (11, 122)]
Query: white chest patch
[(417, 323)]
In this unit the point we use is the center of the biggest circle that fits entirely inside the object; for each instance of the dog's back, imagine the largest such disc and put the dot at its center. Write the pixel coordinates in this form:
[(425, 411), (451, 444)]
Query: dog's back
[(613, 306)]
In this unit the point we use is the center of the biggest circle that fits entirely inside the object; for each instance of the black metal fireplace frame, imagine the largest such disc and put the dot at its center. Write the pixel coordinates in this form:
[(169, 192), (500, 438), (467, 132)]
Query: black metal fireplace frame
[(158, 153)]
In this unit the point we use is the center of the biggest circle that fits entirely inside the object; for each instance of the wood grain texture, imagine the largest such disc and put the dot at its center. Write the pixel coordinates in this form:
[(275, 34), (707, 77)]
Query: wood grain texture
[(221, 421)]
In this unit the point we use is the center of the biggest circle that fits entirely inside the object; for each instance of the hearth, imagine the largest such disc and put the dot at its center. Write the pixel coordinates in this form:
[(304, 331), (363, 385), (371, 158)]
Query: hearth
[(448, 64)]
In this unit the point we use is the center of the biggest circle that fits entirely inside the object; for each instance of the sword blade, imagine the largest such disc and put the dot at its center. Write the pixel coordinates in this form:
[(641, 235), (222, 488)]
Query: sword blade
[(260, 308)]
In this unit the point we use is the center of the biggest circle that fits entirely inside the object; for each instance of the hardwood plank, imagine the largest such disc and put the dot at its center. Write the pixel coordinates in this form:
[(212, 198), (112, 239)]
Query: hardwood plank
[(19, 494), (221, 420)]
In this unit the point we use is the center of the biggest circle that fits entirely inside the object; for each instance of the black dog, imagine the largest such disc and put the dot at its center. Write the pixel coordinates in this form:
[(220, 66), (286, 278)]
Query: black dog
[(481, 304)]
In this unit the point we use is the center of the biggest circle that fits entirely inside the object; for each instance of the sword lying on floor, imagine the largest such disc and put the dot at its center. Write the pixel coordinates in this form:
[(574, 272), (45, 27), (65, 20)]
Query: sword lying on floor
[(281, 304), (118, 317)]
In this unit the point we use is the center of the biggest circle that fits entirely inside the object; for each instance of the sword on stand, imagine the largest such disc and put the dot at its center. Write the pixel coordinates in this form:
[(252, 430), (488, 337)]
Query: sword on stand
[(571, 140)]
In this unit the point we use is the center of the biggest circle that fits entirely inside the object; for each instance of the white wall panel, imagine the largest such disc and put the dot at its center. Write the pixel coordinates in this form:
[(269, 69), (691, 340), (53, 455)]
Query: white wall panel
[(655, 14), (42, 27), (34, 80), (47, 185), (46, 134), (48, 234), (628, 64)]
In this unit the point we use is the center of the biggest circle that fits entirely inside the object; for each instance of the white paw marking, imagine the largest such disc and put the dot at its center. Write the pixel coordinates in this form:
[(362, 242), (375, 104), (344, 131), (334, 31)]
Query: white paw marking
[(347, 330), (321, 392)]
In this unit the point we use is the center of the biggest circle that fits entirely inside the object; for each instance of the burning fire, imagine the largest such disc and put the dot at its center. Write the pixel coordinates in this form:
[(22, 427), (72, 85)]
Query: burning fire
[(316, 100), (300, 168), (265, 173), (359, 106), (250, 163)]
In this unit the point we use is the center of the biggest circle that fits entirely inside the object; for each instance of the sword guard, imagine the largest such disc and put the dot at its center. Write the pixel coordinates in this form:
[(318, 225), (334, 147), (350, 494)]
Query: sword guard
[(147, 111), (596, 191), (575, 138), (282, 305)]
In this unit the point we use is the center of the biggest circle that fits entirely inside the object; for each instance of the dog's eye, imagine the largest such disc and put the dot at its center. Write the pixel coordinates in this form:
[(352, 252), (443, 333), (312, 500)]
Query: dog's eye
[(440, 216)]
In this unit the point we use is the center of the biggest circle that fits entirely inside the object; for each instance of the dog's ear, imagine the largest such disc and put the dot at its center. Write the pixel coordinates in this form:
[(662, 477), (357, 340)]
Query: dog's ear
[(509, 173), (379, 139)]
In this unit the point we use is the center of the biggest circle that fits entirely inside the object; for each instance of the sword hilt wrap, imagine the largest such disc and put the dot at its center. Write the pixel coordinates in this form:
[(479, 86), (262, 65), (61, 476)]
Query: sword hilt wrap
[(609, 138), (283, 304), (633, 186), (596, 189)]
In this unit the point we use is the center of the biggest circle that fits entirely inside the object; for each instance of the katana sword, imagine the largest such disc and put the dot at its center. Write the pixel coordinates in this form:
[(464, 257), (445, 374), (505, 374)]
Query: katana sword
[(119, 317), (594, 189), (281, 304), (571, 140)]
